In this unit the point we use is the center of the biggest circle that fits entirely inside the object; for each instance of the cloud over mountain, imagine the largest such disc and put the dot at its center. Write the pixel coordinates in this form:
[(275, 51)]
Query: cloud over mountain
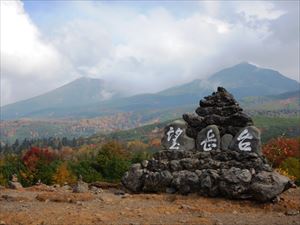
[(29, 63), (143, 46)]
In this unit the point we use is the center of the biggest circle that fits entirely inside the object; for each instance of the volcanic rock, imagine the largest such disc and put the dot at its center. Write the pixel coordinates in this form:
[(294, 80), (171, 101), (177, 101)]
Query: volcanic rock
[(192, 132), (267, 185), (157, 181), (228, 173), (219, 109), (193, 119), (133, 179), (185, 181), (225, 141)]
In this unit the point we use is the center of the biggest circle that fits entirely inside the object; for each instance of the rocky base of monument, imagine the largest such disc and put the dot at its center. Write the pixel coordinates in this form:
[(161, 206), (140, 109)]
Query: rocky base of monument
[(215, 152), (231, 174)]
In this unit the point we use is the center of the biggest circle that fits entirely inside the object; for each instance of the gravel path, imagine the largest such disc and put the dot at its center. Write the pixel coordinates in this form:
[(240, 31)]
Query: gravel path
[(57, 206)]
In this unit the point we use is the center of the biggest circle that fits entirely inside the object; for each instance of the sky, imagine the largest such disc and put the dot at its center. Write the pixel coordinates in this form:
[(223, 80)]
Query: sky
[(140, 46)]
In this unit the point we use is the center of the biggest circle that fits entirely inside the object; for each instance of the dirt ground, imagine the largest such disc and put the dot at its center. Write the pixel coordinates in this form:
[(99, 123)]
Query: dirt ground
[(43, 206)]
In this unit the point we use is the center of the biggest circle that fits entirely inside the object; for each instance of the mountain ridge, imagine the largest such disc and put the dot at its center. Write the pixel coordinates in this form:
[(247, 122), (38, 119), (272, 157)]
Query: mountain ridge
[(82, 90), (240, 87), (90, 97)]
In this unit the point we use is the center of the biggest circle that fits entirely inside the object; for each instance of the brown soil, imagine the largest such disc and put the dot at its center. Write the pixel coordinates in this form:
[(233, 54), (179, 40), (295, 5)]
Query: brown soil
[(42, 205)]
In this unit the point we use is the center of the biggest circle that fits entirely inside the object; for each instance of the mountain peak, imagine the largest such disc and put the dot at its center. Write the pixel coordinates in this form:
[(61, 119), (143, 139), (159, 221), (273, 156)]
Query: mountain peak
[(89, 79), (246, 64), (79, 92), (246, 79)]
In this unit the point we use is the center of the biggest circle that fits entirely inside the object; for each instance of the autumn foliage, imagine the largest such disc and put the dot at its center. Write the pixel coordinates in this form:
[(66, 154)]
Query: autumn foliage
[(36, 155), (63, 175), (106, 161), (279, 149)]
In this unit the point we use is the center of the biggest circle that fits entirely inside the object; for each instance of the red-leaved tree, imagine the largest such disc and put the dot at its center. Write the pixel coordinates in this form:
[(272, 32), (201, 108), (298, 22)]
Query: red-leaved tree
[(279, 149), (35, 155)]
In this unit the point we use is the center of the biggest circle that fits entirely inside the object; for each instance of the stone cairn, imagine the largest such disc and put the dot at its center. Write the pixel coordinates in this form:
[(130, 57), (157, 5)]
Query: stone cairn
[(80, 186), (215, 152), (14, 182)]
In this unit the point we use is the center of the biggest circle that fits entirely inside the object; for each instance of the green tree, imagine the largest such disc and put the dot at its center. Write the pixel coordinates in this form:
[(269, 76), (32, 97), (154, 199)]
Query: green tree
[(86, 168), (113, 161), (45, 172), (12, 164)]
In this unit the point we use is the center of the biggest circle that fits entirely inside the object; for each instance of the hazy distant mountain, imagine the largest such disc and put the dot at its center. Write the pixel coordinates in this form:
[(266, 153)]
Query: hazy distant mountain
[(248, 80), (86, 97), (241, 80), (83, 91)]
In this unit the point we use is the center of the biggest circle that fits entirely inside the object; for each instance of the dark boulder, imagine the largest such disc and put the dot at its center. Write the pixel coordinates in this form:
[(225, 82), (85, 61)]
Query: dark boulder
[(185, 181), (193, 119), (225, 141), (133, 179), (157, 181), (267, 185)]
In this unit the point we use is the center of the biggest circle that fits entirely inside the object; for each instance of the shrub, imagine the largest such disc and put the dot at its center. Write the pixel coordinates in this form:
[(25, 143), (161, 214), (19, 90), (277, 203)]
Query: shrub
[(3, 180), (12, 164), (137, 157), (292, 166), (45, 172), (136, 145), (279, 149), (113, 161), (284, 172), (86, 169)]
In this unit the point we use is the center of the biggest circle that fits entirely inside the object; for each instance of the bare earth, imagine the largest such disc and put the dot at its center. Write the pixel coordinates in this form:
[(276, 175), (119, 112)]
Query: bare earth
[(41, 205)]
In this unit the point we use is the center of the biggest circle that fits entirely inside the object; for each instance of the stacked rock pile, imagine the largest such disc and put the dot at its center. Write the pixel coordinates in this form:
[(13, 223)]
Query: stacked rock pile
[(221, 113), (14, 182), (219, 109), (215, 152), (80, 186)]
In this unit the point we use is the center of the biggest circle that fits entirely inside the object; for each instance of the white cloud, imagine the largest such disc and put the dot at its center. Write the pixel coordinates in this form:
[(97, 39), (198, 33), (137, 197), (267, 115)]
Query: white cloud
[(259, 10), (21, 44), (84, 42), (145, 50), (162, 51), (6, 93), (25, 57)]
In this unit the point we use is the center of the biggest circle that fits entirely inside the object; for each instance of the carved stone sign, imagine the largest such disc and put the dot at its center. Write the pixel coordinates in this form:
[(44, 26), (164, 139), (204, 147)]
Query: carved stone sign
[(175, 137), (244, 140), (208, 139), (248, 140)]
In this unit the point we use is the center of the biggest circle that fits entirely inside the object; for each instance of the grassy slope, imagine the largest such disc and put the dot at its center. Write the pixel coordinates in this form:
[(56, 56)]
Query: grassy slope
[(276, 126)]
